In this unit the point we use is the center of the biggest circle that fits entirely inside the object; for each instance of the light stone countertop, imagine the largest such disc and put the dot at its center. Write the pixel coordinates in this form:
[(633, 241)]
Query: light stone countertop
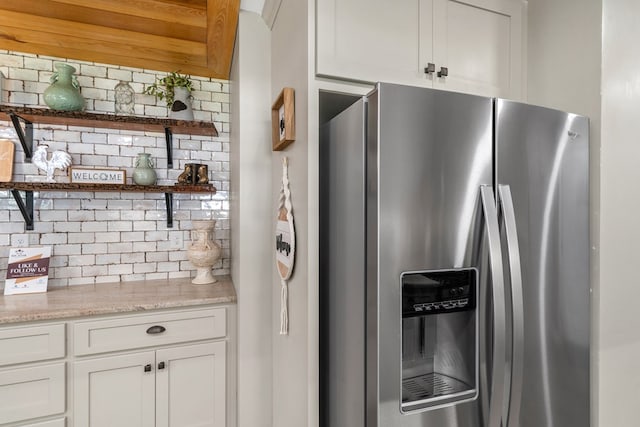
[(108, 298)]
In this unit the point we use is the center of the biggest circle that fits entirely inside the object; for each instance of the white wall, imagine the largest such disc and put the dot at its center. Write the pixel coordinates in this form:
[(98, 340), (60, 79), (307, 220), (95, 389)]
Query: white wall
[(289, 68), (251, 216), (619, 326)]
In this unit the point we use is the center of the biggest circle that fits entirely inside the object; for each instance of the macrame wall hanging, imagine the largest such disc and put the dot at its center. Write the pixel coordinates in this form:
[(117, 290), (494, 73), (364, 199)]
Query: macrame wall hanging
[(285, 245)]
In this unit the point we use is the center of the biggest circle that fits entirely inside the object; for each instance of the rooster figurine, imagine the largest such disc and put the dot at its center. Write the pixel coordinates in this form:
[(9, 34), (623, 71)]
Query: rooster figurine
[(59, 160)]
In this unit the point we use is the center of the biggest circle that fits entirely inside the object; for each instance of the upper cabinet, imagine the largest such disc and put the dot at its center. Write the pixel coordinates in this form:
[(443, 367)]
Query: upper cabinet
[(195, 36), (472, 46)]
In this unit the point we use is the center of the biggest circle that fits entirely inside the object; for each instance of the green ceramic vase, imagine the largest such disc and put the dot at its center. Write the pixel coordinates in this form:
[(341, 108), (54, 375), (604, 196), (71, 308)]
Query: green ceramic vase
[(64, 92), (144, 174)]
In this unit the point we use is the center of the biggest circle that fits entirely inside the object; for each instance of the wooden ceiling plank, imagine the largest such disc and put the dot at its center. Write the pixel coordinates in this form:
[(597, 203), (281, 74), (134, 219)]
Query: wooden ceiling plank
[(156, 64), (13, 21), (222, 22), (103, 18), (186, 13), (114, 49)]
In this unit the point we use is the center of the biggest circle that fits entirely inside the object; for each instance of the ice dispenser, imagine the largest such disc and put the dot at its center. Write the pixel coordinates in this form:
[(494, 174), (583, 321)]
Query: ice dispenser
[(439, 338)]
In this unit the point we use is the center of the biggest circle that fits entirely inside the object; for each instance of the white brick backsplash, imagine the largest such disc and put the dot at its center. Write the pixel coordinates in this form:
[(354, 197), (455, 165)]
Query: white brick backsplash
[(75, 260), (94, 248), (108, 259), (23, 98), (92, 70), (118, 75), (107, 279), (94, 226), (67, 250), (81, 237), (157, 276), (107, 237), (105, 215), (53, 238), (121, 269), (95, 270), (150, 267), (23, 74), (157, 256)]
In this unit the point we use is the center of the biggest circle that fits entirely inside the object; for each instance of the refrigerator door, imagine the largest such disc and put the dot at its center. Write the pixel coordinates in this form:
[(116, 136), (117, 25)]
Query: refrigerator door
[(428, 154), (543, 156), (342, 278)]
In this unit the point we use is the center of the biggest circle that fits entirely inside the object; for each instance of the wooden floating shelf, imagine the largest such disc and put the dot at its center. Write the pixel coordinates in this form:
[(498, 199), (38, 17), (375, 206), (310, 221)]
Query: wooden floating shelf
[(125, 188), (108, 121), (26, 205)]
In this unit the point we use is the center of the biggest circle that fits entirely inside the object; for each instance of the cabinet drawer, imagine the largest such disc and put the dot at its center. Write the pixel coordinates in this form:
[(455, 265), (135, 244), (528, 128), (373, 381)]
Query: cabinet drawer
[(31, 343), (139, 331), (32, 392)]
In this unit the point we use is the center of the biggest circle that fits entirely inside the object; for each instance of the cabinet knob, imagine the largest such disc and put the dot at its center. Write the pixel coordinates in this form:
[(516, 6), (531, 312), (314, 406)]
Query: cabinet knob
[(147, 368), (444, 72), (161, 365), (430, 68), (156, 329)]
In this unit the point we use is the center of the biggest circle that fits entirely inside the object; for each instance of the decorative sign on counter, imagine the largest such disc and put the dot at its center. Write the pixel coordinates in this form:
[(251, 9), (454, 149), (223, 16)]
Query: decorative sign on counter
[(98, 176), (27, 270), (285, 245)]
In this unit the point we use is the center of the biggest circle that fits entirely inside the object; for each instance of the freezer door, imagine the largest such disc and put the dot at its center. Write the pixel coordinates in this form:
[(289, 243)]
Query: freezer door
[(428, 154), (543, 155)]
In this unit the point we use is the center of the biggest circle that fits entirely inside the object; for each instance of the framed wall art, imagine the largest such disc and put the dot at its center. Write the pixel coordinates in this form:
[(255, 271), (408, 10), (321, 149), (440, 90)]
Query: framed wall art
[(283, 129)]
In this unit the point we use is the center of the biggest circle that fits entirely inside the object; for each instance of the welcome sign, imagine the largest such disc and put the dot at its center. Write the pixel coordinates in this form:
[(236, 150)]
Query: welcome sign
[(28, 270), (98, 176)]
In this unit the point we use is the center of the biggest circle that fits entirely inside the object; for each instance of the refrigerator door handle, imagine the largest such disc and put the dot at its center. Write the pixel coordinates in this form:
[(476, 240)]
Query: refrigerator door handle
[(515, 272), (496, 387)]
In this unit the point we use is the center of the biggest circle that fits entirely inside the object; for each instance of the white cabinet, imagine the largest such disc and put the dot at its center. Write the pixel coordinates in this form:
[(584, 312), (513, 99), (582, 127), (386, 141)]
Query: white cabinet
[(166, 385), (191, 388), (115, 391), (478, 42), (29, 388)]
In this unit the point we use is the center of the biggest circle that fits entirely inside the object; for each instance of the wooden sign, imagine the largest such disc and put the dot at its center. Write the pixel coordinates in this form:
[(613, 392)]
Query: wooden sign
[(98, 176), (7, 149)]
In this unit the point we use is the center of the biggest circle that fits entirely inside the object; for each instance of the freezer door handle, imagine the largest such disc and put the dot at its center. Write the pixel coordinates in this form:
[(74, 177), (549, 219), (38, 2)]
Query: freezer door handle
[(517, 306), (496, 387)]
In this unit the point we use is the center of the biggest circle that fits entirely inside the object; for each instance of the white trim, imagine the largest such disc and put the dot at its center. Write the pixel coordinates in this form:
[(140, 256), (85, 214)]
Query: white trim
[(270, 11)]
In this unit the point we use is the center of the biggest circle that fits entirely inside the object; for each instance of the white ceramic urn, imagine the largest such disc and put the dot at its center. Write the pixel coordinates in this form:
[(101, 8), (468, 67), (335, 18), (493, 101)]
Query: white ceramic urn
[(203, 253)]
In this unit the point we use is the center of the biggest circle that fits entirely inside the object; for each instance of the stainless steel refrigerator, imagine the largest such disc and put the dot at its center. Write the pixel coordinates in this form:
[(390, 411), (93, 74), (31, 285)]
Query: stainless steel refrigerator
[(454, 263)]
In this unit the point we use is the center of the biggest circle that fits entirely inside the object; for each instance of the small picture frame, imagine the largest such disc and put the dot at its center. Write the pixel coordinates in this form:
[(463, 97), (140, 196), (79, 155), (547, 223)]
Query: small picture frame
[(97, 176), (283, 129)]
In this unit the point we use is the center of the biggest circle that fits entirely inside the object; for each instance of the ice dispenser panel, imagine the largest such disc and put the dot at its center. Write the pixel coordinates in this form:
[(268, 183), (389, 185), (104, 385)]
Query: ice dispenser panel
[(439, 338)]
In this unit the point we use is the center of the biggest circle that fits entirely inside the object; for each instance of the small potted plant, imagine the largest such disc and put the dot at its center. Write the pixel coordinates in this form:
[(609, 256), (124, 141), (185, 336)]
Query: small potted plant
[(175, 89)]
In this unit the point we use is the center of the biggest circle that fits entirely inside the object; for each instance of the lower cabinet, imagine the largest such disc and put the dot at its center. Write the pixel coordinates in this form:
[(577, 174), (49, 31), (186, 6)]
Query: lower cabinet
[(166, 368), (171, 387)]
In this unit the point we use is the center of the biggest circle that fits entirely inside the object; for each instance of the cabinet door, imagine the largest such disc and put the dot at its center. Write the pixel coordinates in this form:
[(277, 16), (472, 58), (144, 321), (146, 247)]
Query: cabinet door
[(31, 392), (374, 40), (115, 391), (191, 387), (480, 42)]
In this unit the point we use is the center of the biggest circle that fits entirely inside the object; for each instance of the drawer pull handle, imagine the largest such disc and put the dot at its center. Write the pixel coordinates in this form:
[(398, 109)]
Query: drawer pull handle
[(157, 329), (161, 365), (147, 368)]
